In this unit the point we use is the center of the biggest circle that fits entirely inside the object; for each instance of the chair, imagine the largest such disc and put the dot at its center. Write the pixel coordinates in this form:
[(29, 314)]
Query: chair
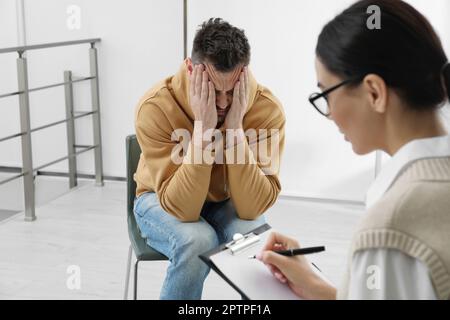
[(138, 244)]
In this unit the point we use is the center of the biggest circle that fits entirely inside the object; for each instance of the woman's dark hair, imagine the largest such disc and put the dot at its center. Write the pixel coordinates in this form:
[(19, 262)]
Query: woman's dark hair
[(220, 44), (406, 51)]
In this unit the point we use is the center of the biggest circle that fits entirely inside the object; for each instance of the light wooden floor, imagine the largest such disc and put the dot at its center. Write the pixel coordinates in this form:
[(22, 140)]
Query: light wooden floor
[(87, 228), (5, 214)]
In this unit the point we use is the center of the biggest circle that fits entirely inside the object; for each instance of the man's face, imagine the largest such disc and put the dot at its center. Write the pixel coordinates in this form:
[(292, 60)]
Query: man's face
[(224, 84)]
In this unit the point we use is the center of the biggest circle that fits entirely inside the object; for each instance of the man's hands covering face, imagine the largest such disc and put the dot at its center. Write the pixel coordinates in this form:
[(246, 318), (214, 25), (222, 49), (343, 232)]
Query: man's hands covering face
[(240, 101), (202, 97)]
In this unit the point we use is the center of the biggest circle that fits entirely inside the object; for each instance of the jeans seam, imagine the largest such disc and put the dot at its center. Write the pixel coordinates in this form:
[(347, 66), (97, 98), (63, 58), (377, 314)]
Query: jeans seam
[(161, 231)]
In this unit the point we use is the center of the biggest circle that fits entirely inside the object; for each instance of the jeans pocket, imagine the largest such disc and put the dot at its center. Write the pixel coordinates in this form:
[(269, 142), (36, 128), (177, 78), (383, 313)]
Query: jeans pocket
[(137, 208), (144, 203)]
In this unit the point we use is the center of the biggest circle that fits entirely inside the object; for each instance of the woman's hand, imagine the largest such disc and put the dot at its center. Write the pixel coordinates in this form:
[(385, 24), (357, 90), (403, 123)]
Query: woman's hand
[(295, 271)]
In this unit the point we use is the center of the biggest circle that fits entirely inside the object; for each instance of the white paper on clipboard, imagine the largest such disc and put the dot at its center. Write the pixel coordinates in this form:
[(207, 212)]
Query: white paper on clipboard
[(252, 276)]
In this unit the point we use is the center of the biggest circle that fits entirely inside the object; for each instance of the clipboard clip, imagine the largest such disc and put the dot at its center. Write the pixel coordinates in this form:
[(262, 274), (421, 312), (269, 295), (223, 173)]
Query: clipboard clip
[(241, 242)]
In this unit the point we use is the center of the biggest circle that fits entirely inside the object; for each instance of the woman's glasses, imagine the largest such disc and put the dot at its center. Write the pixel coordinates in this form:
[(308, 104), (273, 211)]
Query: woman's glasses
[(320, 100)]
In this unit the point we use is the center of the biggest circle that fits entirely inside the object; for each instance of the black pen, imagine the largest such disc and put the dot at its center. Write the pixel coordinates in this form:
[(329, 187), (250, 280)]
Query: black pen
[(296, 252)]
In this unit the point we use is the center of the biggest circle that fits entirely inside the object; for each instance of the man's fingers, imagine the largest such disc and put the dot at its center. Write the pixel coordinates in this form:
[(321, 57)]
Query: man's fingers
[(198, 80), (236, 93), (246, 82), (212, 94), (242, 90), (204, 93), (192, 81)]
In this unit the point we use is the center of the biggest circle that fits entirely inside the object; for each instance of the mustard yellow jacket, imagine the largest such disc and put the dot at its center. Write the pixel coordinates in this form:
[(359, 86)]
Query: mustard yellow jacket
[(182, 188)]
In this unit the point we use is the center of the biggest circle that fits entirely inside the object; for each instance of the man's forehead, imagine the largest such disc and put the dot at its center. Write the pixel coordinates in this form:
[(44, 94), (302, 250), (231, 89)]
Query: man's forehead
[(223, 81)]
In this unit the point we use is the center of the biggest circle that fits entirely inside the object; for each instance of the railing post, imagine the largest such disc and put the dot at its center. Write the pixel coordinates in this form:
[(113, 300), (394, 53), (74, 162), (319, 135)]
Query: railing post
[(70, 128), (25, 127), (96, 116)]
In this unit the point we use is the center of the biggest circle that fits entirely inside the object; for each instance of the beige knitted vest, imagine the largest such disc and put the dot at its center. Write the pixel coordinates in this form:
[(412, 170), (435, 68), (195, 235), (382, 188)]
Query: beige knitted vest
[(413, 216)]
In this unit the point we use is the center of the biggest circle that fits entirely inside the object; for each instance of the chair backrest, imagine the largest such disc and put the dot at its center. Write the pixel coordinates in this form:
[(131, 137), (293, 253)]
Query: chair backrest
[(133, 151)]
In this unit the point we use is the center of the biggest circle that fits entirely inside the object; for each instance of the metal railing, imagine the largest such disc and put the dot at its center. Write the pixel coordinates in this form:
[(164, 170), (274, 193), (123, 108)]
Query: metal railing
[(73, 150)]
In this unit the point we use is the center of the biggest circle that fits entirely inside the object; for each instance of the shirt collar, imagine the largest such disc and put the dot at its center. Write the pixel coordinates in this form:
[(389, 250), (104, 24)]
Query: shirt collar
[(437, 147)]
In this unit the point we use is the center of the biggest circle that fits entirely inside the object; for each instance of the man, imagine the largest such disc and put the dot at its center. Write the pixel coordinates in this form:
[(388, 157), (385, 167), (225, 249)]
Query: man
[(185, 208)]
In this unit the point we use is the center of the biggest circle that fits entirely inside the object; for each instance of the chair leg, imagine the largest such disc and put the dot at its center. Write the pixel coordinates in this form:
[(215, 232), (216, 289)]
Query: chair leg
[(135, 279), (127, 276)]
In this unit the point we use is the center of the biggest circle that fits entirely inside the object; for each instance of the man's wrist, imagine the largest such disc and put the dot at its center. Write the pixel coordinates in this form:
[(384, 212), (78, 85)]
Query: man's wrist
[(233, 126), (198, 156), (199, 134)]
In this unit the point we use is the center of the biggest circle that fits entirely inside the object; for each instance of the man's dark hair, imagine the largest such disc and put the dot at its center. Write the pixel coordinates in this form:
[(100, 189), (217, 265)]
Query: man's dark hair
[(220, 44)]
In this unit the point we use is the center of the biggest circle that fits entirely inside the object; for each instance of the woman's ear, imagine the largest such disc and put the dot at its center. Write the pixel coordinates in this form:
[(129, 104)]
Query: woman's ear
[(189, 65), (377, 92)]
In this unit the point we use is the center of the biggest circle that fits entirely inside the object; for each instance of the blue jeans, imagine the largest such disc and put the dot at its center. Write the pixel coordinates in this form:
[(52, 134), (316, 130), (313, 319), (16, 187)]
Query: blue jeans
[(182, 242)]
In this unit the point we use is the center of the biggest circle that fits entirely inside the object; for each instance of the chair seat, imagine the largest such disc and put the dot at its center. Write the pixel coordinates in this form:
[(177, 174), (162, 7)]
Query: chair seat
[(141, 249)]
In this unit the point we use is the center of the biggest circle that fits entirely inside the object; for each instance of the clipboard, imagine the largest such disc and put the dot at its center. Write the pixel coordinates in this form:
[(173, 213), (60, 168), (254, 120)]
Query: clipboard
[(206, 258), (249, 277)]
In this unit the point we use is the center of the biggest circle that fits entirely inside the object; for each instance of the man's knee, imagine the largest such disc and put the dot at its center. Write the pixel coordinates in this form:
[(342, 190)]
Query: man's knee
[(242, 226), (197, 239)]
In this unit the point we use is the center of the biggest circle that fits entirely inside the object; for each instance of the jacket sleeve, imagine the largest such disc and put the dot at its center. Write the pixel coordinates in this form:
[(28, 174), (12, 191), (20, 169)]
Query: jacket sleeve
[(254, 184), (181, 186)]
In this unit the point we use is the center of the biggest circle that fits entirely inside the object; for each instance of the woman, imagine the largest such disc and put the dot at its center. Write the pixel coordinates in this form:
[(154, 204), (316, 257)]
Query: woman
[(383, 89)]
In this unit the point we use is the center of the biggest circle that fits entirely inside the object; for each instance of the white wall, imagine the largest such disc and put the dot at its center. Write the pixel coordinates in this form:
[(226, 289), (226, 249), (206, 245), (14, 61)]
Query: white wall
[(9, 113), (142, 43), (317, 161)]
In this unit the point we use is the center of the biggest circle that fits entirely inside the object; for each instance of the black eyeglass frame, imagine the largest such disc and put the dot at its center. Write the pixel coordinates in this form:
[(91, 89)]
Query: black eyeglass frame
[(317, 95)]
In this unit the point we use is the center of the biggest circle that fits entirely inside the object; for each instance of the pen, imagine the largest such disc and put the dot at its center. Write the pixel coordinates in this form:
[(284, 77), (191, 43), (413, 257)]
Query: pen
[(296, 252)]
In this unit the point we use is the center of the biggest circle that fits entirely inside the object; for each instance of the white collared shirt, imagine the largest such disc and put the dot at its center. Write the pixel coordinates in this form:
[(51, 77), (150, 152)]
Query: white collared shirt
[(401, 276)]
